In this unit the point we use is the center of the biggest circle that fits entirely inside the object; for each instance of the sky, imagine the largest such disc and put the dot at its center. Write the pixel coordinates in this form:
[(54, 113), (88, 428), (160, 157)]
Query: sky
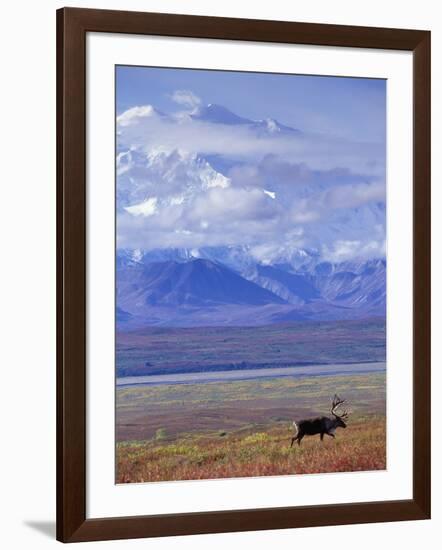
[(303, 166), (347, 107)]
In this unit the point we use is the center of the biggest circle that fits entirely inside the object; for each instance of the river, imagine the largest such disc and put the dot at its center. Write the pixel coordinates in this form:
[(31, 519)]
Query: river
[(252, 374)]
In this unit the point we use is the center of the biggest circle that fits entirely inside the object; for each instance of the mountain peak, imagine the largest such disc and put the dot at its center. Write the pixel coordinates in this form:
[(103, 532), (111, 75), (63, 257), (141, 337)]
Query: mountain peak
[(196, 283), (273, 126), (219, 114), (137, 113)]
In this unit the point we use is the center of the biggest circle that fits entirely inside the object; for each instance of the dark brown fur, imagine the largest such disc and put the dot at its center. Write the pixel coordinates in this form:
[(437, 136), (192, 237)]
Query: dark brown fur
[(321, 425)]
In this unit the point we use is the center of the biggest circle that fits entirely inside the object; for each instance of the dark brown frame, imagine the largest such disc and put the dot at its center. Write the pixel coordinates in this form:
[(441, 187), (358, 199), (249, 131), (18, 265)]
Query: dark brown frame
[(72, 26)]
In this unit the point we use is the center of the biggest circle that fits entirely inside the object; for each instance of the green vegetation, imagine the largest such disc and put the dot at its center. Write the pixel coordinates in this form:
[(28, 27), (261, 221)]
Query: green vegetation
[(160, 434)]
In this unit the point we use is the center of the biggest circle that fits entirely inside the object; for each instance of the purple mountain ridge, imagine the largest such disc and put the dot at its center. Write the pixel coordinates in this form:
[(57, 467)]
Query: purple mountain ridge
[(194, 283), (189, 291)]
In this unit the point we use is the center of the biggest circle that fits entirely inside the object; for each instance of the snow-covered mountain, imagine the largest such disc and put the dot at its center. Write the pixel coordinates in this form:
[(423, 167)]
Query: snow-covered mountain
[(154, 180), (180, 177), (222, 219), (240, 258), (221, 115)]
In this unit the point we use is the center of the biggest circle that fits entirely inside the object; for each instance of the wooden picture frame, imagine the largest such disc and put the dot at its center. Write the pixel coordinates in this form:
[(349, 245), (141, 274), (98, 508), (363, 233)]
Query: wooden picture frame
[(72, 26)]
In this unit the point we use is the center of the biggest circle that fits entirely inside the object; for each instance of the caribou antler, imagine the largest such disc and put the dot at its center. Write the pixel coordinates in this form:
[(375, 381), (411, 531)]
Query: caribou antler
[(336, 403)]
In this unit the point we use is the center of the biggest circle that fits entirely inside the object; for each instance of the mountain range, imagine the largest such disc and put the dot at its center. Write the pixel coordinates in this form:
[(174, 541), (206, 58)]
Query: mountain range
[(180, 175), (226, 286), (227, 221), (221, 115)]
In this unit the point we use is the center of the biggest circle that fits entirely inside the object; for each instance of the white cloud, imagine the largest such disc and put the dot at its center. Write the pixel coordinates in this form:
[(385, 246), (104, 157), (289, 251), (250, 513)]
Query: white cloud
[(278, 192), (233, 203), (342, 250), (352, 196), (319, 206), (186, 98), (135, 115), (243, 142), (146, 208)]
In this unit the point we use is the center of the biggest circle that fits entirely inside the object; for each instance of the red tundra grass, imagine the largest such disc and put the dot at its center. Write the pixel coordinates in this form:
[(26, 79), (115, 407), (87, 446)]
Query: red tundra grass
[(360, 447)]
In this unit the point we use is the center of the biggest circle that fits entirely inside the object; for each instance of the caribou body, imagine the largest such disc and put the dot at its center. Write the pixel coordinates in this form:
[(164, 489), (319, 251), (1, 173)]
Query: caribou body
[(322, 425)]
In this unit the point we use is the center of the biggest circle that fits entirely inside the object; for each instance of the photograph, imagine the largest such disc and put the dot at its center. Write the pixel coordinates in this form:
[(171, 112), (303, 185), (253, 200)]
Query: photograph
[(250, 274), (218, 275)]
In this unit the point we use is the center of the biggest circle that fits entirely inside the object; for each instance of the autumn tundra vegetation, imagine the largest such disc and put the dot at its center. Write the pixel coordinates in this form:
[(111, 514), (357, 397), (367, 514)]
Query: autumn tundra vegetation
[(244, 428)]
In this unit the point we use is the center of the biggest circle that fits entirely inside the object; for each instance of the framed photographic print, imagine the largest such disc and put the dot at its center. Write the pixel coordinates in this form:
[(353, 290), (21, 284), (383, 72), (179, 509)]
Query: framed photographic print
[(243, 274)]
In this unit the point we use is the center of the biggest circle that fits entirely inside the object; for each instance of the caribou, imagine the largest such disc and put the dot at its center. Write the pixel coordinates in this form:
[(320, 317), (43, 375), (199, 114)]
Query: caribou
[(323, 424)]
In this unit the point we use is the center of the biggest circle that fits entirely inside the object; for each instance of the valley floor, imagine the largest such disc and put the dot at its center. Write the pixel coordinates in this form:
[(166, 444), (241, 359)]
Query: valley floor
[(264, 453), (243, 428)]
